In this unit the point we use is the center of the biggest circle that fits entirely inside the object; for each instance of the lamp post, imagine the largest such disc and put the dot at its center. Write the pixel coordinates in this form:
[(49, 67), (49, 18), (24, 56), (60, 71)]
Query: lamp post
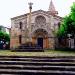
[(30, 9), (69, 36)]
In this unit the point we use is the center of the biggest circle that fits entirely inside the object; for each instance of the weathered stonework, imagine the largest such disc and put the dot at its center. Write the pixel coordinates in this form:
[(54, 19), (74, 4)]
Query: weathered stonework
[(43, 25)]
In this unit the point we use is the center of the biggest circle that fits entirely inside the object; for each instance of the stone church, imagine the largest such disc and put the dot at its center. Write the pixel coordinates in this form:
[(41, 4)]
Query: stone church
[(38, 27)]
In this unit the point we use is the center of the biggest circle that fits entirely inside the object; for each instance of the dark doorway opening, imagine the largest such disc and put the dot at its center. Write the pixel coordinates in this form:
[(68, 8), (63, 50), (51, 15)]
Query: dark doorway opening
[(40, 42)]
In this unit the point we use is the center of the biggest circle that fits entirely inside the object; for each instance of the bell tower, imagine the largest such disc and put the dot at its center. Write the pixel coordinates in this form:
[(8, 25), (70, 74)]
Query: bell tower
[(52, 9)]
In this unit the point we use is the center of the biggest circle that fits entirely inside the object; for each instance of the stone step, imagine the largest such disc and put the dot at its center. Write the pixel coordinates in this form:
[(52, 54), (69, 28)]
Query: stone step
[(29, 47), (37, 63), (35, 72), (55, 57), (28, 50), (39, 59), (8, 74), (33, 67)]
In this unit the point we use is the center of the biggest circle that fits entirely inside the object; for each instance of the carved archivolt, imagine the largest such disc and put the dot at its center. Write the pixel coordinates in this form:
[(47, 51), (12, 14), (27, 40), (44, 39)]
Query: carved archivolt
[(40, 32)]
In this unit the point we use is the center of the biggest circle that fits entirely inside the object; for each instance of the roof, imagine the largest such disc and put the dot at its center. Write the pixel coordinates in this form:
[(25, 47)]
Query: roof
[(47, 12)]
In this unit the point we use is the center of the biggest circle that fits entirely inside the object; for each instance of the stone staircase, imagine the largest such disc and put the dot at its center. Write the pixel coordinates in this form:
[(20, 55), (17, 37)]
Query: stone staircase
[(37, 65), (29, 48)]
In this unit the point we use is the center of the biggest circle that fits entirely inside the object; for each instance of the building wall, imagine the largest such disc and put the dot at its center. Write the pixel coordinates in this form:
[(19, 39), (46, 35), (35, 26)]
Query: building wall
[(16, 31), (50, 26)]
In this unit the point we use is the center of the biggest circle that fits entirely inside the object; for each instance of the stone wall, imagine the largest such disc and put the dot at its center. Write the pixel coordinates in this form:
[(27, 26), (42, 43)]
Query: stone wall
[(51, 43)]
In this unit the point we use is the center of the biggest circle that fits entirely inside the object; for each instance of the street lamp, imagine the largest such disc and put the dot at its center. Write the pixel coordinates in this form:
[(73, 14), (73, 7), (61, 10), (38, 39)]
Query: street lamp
[(69, 36)]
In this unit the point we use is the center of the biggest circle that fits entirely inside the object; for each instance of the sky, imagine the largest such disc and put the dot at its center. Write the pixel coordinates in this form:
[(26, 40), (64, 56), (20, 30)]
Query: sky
[(12, 8)]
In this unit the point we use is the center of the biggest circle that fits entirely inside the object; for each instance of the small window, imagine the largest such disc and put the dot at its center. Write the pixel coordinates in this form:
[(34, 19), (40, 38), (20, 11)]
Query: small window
[(20, 39), (59, 24), (20, 24)]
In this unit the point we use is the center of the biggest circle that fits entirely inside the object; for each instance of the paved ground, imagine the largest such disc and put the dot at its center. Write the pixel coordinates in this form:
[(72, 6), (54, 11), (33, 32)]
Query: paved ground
[(46, 53)]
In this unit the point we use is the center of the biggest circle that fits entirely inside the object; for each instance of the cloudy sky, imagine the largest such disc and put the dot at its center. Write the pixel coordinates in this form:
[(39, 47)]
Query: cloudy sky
[(12, 8)]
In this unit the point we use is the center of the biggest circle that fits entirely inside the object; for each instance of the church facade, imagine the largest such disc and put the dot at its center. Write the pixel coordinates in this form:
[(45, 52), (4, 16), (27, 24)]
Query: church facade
[(39, 27)]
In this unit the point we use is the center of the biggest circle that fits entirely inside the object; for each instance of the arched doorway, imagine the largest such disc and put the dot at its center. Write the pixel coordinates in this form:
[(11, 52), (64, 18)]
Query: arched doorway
[(40, 42), (40, 37)]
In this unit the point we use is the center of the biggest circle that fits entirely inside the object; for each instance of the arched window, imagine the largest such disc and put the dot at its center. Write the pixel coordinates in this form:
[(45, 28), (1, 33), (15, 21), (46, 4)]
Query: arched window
[(20, 25)]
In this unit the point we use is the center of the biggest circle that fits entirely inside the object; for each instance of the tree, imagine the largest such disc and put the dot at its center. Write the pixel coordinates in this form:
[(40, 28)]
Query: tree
[(73, 12), (2, 28), (4, 38), (67, 25)]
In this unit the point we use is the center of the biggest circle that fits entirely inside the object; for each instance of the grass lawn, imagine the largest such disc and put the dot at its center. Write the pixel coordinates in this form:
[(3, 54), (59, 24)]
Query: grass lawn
[(46, 53)]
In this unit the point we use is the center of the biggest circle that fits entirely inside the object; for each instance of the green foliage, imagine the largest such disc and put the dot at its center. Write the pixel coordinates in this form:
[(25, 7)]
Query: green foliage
[(67, 25), (73, 12), (1, 35), (4, 35), (2, 28)]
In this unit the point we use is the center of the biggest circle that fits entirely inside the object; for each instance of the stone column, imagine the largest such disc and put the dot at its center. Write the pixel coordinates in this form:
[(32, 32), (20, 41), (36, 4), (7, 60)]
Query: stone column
[(30, 9)]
